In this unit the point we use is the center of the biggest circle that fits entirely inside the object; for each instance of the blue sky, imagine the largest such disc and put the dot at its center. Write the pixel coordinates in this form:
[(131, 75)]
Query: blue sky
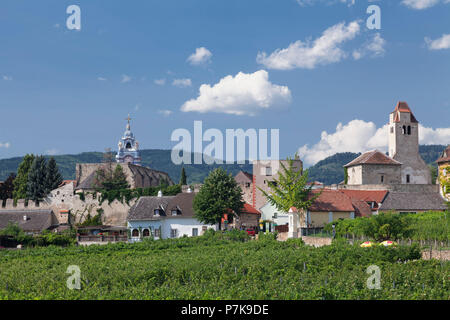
[(66, 91)]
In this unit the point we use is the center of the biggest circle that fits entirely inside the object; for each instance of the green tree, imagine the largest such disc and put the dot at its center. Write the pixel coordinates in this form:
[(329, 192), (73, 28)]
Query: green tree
[(183, 179), (433, 173), (21, 181), (7, 188), (218, 194), (291, 189), (36, 187), (53, 178), (108, 179)]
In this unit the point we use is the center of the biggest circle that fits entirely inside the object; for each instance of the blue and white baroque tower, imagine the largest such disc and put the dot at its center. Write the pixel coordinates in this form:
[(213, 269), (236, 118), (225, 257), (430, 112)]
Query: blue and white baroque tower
[(128, 147)]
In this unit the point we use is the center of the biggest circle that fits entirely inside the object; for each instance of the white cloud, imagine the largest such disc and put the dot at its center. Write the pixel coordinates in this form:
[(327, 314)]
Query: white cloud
[(165, 113), (5, 145), (323, 50), (422, 4), (182, 83), (374, 48), (201, 56), (440, 43), (101, 79), (125, 78), (7, 78), (52, 152), (160, 82), (362, 136), (245, 93)]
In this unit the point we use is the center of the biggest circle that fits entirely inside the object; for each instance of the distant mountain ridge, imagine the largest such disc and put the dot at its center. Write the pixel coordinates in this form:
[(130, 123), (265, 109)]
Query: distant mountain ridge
[(329, 170), (153, 158)]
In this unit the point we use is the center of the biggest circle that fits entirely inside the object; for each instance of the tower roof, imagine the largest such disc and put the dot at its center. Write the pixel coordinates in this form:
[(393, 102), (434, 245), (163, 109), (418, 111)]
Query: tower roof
[(403, 107), (445, 157)]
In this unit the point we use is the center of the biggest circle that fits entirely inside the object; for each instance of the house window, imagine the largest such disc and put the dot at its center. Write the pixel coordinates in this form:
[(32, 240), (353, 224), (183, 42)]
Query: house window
[(194, 232), (275, 215), (128, 145), (409, 130), (408, 178), (247, 185), (135, 233), (158, 233), (404, 130), (174, 212), (146, 233), (382, 179), (156, 212), (173, 233), (444, 172), (268, 171)]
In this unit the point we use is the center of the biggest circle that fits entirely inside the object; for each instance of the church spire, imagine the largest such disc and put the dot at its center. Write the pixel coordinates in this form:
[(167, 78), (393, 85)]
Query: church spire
[(128, 147)]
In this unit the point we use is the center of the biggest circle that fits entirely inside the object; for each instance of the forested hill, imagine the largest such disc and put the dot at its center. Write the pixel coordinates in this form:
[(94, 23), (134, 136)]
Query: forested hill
[(328, 170), (155, 159)]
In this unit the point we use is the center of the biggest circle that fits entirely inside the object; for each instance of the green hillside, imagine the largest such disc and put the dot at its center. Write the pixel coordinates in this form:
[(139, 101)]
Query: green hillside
[(155, 159), (328, 170)]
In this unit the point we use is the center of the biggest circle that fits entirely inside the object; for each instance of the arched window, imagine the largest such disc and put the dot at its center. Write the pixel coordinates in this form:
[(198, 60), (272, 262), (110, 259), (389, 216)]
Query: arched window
[(408, 178), (135, 233), (128, 145), (404, 130), (146, 233), (409, 130)]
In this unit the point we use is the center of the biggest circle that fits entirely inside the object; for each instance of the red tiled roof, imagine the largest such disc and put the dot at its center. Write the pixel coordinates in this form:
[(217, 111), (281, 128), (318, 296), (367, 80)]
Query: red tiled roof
[(403, 107), (362, 209), (373, 157), (65, 182), (249, 209), (445, 157), (366, 195), (330, 200)]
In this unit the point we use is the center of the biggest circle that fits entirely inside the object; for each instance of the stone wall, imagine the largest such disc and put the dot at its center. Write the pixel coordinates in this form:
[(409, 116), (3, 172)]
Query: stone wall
[(425, 188), (137, 176)]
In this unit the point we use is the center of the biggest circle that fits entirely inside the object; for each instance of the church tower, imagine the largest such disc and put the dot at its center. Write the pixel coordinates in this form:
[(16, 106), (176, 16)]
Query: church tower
[(128, 148), (404, 145)]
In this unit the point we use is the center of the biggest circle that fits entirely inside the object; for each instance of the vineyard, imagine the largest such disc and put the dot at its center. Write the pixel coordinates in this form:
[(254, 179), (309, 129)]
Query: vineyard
[(218, 266)]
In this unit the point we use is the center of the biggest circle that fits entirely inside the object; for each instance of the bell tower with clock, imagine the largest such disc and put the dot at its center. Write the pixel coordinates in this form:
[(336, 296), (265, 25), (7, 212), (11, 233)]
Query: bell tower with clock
[(128, 148)]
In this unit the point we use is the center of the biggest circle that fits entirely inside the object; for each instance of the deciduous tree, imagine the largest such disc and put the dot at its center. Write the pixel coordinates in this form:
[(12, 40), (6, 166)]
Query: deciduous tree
[(219, 194)]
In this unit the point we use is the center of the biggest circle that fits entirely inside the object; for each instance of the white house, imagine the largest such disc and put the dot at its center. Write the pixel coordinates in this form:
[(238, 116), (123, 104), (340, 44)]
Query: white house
[(163, 217), (272, 217)]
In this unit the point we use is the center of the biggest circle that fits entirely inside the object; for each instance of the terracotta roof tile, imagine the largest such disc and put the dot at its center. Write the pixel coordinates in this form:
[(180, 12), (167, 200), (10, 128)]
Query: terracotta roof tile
[(445, 157), (249, 209), (366, 195), (403, 107), (373, 157)]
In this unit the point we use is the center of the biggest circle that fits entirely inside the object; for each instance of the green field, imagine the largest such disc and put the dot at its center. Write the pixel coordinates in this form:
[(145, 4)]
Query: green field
[(219, 267)]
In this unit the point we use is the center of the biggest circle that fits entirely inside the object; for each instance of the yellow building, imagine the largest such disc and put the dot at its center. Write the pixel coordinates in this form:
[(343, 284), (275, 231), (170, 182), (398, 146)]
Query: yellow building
[(444, 173)]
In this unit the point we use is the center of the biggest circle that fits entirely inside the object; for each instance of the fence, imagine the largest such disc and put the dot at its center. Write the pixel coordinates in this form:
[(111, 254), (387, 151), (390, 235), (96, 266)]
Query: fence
[(282, 228), (92, 238)]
